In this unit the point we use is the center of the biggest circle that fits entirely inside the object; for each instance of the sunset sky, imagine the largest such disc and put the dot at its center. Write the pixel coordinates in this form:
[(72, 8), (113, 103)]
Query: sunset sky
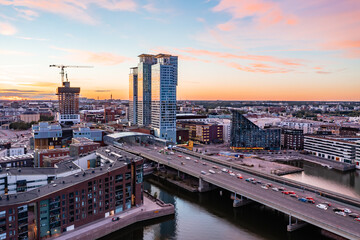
[(228, 49)]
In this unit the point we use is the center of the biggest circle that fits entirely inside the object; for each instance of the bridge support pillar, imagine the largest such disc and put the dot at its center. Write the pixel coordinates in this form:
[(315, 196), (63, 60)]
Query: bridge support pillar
[(204, 186), (296, 225), (239, 200)]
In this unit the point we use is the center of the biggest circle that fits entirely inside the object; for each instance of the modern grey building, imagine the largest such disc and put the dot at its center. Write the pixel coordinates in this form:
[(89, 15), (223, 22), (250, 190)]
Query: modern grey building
[(247, 135), (164, 80)]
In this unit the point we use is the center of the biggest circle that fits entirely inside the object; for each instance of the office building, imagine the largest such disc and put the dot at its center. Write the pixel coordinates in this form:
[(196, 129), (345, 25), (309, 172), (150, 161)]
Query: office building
[(203, 132), (247, 135), (68, 98), (164, 79)]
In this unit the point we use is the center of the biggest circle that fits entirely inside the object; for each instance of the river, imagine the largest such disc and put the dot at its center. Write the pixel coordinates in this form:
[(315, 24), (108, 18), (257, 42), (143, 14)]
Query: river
[(201, 216)]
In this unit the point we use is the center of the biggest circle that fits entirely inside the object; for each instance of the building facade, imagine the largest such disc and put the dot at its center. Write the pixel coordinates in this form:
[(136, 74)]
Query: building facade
[(47, 136), (292, 139), (65, 204), (247, 135), (335, 149), (133, 95), (164, 79)]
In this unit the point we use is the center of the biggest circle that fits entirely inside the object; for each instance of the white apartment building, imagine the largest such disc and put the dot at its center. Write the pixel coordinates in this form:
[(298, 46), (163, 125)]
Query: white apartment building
[(335, 149)]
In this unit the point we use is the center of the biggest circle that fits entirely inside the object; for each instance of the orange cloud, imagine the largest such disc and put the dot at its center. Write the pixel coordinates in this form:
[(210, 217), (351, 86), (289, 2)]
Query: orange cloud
[(350, 47), (7, 29), (257, 68), (104, 58)]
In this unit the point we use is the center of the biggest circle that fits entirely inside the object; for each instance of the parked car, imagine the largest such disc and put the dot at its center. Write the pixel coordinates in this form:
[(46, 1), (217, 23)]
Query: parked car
[(114, 219), (322, 206), (269, 185), (302, 199), (232, 174), (179, 156), (310, 201)]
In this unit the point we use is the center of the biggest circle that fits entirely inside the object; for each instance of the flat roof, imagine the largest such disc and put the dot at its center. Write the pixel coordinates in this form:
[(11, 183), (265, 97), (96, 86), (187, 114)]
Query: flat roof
[(73, 179), (127, 134)]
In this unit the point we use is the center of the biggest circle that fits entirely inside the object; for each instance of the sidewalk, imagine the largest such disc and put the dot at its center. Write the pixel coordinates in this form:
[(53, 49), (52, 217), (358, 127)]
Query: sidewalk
[(105, 226)]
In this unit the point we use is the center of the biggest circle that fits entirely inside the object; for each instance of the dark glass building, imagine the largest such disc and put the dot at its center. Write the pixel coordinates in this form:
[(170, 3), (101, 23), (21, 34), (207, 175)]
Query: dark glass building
[(247, 135)]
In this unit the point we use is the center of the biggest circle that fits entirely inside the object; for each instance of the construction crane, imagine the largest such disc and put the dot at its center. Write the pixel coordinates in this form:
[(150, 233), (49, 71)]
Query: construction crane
[(62, 72)]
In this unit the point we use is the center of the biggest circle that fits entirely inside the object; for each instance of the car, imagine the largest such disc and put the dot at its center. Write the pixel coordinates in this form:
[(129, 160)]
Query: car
[(285, 192), (203, 172), (322, 206), (309, 198), (281, 188), (293, 195), (224, 170), (302, 199), (239, 176), (291, 192), (187, 158), (179, 156), (232, 174), (346, 210), (327, 203), (269, 185), (357, 219), (204, 163), (172, 153), (341, 213), (114, 219), (215, 167), (264, 187), (354, 215), (211, 171), (249, 179), (338, 209), (310, 201), (258, 181), (196, 161), (168, 158), (253, 182), (275, 189), (182, 163)]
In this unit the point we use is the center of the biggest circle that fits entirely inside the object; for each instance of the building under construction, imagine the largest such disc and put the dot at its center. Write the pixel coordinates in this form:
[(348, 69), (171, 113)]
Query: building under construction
[(68, 104)]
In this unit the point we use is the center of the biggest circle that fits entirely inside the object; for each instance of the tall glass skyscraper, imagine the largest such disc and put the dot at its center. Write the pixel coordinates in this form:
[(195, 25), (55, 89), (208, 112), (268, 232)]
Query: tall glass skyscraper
[(152, 94), (164, 78), (133, 89)]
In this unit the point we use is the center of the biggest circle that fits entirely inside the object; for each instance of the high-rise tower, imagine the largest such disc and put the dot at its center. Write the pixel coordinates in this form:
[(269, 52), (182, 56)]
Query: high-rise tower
[(164, 78), (68, 104), (133, 94)]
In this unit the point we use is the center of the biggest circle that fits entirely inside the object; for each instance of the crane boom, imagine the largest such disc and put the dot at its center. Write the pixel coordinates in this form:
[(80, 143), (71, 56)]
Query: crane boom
[(62, 72)]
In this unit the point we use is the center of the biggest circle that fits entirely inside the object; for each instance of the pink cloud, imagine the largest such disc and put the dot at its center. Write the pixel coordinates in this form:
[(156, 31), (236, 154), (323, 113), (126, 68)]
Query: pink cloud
[(258, 68), (74, 9), (7, 29), (27, 14), (264, 12)]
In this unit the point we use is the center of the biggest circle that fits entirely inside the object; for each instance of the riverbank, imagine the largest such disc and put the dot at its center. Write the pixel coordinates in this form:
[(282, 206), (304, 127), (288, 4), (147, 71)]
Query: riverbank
[(151, 209)]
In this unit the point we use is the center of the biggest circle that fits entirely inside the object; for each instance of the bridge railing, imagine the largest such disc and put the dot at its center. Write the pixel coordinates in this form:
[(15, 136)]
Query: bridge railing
[(288, 182)]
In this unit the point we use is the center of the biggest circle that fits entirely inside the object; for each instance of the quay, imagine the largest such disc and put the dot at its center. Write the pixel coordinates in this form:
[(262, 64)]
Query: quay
[(151, 209)]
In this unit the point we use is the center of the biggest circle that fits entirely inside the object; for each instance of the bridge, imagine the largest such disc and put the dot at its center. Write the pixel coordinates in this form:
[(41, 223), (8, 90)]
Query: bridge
[(325, 219)]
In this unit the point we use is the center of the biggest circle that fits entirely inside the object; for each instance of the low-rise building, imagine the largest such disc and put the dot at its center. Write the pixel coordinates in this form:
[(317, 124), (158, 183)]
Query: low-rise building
[(30, 116)]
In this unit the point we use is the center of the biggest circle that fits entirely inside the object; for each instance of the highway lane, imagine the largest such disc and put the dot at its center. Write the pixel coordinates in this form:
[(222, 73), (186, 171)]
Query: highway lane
[(268, 197)]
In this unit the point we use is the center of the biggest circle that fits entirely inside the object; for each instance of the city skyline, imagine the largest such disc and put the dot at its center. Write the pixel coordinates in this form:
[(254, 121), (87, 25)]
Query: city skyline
[(228, 50)]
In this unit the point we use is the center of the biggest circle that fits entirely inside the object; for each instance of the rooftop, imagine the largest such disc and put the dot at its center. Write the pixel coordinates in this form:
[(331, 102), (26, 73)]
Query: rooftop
[(73, 179)]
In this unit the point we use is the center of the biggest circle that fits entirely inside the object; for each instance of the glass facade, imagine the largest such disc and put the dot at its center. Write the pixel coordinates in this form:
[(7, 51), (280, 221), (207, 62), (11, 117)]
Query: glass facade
[(133, 92), (245, 134), (164, 81)]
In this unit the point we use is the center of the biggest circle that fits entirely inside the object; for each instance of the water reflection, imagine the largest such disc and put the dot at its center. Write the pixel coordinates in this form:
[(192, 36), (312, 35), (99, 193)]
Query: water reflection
[(346, 183)]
